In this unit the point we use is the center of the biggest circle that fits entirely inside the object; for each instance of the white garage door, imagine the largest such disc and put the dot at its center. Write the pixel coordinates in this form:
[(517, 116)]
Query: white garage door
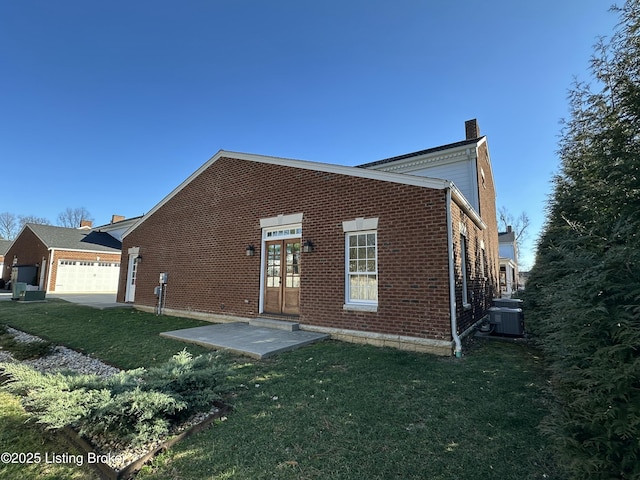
[(87, 276)]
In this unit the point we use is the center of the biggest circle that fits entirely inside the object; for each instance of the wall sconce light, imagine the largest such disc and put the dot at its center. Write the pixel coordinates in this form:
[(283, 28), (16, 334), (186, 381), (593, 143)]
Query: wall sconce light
[(307, 246), (251, 251), (139, 259)]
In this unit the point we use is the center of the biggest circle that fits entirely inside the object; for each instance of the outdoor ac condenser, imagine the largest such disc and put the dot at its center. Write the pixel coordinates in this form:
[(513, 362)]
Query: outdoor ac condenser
[(507, 321)]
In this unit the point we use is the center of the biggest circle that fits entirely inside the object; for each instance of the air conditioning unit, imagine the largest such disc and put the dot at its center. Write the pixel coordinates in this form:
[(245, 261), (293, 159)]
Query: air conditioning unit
[(507, 321), (507, 302)]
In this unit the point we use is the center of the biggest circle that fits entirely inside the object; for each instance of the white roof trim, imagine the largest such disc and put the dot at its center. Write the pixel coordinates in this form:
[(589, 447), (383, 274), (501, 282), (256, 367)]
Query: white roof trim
[(98, 252), (466, 207), (404, 179)]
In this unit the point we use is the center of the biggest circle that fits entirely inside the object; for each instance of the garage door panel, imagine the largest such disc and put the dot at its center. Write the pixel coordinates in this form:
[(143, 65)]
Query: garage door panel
[(86, 276)]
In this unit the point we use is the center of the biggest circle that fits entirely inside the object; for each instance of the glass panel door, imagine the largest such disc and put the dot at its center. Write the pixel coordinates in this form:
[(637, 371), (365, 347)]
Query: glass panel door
[(282, 277), (291, 293)]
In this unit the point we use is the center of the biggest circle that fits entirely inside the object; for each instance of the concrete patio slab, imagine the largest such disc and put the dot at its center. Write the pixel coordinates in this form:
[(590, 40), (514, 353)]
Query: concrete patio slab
[(239, 337), (95, 300)]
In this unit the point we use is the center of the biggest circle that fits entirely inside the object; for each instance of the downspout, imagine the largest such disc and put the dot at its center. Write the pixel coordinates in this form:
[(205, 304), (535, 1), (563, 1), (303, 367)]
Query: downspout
[(51, 254), (452, 280)]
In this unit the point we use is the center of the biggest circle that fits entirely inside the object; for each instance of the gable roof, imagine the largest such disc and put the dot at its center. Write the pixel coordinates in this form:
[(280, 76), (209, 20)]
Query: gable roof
[(4, 246), (506, 237), (74, 238), (125, 223), (419, 181), (428, 151)]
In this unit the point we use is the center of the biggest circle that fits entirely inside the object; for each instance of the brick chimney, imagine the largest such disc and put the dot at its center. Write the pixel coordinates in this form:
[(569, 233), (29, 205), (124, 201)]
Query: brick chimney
[(471, 129), (86, 224), (116, 218)]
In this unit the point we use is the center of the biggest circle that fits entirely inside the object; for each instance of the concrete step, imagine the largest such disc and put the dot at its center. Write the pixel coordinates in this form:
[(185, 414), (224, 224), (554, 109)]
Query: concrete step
[(273, 323)]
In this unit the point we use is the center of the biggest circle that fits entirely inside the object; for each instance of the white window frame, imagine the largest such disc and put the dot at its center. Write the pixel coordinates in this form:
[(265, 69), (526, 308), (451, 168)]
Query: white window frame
[(463, 264), (359, 226)]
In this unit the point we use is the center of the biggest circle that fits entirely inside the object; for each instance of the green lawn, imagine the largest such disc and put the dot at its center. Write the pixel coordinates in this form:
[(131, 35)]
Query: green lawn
[(333, 410)]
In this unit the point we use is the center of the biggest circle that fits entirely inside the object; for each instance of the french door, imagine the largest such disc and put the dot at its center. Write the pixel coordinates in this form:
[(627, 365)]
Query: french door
[(282, 277)]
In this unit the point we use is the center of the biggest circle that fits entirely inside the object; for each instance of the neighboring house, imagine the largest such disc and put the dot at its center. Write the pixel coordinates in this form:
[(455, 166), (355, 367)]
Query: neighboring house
[(59, 259), (382, 253), (508, 249), (118, 226), (4, 246)]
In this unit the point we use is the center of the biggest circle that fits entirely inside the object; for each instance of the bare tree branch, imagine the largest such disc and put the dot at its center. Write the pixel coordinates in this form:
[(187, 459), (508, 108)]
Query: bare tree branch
[(518, 224), (24, 219), (72, 217), (8, 225)]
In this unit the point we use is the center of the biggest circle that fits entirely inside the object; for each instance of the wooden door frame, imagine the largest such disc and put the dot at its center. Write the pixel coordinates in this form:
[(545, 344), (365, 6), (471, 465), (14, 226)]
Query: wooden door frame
[(282, 307), (268, 233)]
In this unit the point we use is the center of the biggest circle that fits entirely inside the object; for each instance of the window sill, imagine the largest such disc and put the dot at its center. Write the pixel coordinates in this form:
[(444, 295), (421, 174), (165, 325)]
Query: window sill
[(353, 307)]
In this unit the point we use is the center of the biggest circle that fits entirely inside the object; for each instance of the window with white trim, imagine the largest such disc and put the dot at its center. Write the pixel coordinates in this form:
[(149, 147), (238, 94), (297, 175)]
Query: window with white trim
[(362, 267), (463, 263)]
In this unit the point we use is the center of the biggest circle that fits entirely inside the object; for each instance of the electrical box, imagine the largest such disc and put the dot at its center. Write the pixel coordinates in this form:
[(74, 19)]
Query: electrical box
[(163, 278), (157, 290)]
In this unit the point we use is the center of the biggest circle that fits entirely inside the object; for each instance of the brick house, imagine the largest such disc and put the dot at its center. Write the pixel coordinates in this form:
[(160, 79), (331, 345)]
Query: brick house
[(64, 260), (4, 246), (384, 253), (508, 258)]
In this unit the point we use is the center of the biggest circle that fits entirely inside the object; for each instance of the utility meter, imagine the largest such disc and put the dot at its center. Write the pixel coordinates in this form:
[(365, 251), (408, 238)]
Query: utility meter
[(163, 278)]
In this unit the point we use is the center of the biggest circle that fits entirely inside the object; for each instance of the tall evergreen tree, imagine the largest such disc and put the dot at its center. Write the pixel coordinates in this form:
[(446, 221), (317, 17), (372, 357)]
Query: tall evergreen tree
[(584, 290)]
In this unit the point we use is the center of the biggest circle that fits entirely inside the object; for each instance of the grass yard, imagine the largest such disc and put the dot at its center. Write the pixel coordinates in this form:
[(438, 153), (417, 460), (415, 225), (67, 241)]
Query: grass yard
[(331, 410)]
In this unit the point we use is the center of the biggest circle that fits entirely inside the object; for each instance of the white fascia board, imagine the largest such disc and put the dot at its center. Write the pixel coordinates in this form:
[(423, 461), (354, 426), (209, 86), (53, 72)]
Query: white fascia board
[(63, 249), (507, 261), (482, 141), (115, 226), (425, 182), (440, 157), (466, 207)]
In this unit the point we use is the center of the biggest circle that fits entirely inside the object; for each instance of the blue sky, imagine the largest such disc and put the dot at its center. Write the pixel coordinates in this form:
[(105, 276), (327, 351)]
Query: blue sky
[(110, 105)]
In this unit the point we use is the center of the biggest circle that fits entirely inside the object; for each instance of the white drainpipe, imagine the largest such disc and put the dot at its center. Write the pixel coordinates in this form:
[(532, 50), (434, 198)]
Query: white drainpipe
[(52, 251), (452, 280)]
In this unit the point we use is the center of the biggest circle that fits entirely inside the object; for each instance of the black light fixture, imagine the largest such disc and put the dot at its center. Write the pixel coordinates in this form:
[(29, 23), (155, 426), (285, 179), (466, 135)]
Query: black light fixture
[(139, 259), (251, 251), (307, 246)]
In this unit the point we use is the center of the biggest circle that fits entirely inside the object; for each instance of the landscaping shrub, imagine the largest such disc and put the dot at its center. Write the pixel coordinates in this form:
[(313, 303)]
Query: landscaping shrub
[(583, 294), (132, 407)]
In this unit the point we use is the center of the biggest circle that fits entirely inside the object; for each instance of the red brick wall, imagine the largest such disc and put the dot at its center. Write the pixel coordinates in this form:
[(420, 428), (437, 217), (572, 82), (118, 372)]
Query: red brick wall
[(199, 237), (488, 213), (28, 249), (482, 286)]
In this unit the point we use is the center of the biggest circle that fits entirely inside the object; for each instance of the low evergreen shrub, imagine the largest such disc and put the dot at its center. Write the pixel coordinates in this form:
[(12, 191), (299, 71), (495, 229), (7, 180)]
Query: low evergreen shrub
[(132, 407)]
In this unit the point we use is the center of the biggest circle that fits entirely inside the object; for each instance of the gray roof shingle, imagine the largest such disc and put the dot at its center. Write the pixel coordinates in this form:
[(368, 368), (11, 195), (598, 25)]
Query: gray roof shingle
[(62, 237), (4, 246)]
